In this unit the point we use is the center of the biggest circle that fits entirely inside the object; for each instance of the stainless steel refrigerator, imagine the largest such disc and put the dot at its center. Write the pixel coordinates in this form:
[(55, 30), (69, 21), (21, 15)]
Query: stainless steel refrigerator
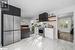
[(17, 31), (11, 29)]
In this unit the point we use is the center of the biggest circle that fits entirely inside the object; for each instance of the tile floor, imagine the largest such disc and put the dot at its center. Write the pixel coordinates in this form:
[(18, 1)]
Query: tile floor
[(40, 43)]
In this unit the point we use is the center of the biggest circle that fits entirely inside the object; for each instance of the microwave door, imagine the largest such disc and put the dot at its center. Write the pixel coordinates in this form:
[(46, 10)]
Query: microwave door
[(7, 22)]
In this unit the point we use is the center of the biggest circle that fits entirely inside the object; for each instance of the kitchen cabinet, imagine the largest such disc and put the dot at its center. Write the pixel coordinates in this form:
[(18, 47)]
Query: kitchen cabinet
[(25, 31), (49, 33)]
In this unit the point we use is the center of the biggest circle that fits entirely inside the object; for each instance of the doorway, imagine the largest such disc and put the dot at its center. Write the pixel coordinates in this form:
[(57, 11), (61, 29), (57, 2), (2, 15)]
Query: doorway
[(66, 27)]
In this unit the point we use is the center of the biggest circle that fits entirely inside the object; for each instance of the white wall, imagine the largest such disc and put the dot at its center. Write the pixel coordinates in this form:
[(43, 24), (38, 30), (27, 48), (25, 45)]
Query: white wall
[(66, 10), (74, 26), (25, 21), (31, 8), (0, 27)]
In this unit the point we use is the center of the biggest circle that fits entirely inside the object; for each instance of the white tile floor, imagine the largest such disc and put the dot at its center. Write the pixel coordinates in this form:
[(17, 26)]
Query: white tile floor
[(39, 43)]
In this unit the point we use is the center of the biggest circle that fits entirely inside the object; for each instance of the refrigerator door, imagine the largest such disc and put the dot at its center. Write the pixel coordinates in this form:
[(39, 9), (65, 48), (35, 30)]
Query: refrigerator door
[(17, 32), (16, 22), (8, 38), (8, 22), (17, 36)]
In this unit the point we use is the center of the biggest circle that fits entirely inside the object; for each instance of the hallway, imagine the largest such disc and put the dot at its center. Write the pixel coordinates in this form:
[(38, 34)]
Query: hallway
[(39, 43)]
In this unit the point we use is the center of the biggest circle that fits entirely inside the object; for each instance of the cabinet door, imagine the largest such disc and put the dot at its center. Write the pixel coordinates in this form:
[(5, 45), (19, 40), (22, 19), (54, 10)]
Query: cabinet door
[(16, 22), (49, 33), (8, 22), (7, 38), (17, 36)]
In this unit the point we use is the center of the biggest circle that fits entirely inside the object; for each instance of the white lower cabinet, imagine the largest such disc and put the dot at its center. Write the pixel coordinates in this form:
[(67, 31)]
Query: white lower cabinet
[(49, 33)]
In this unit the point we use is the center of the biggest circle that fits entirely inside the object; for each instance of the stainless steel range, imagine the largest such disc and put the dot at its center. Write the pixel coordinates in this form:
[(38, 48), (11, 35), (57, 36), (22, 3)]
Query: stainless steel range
[(41, 31)]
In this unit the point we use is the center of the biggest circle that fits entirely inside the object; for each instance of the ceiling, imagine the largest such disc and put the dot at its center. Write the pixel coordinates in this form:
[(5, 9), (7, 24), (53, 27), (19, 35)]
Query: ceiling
[(32, 8)]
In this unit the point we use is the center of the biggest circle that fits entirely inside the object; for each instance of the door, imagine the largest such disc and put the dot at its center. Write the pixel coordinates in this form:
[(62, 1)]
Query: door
[(7, 38), (8, 22), (16, 23), (17, 31), (7, 29), (66, 27), (17, 36)]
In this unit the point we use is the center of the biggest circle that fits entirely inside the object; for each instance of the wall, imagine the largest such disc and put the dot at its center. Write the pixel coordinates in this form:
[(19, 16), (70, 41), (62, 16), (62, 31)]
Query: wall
[(31, 8), (0, 27), (74, 26), (25, 21), (66, 10)]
